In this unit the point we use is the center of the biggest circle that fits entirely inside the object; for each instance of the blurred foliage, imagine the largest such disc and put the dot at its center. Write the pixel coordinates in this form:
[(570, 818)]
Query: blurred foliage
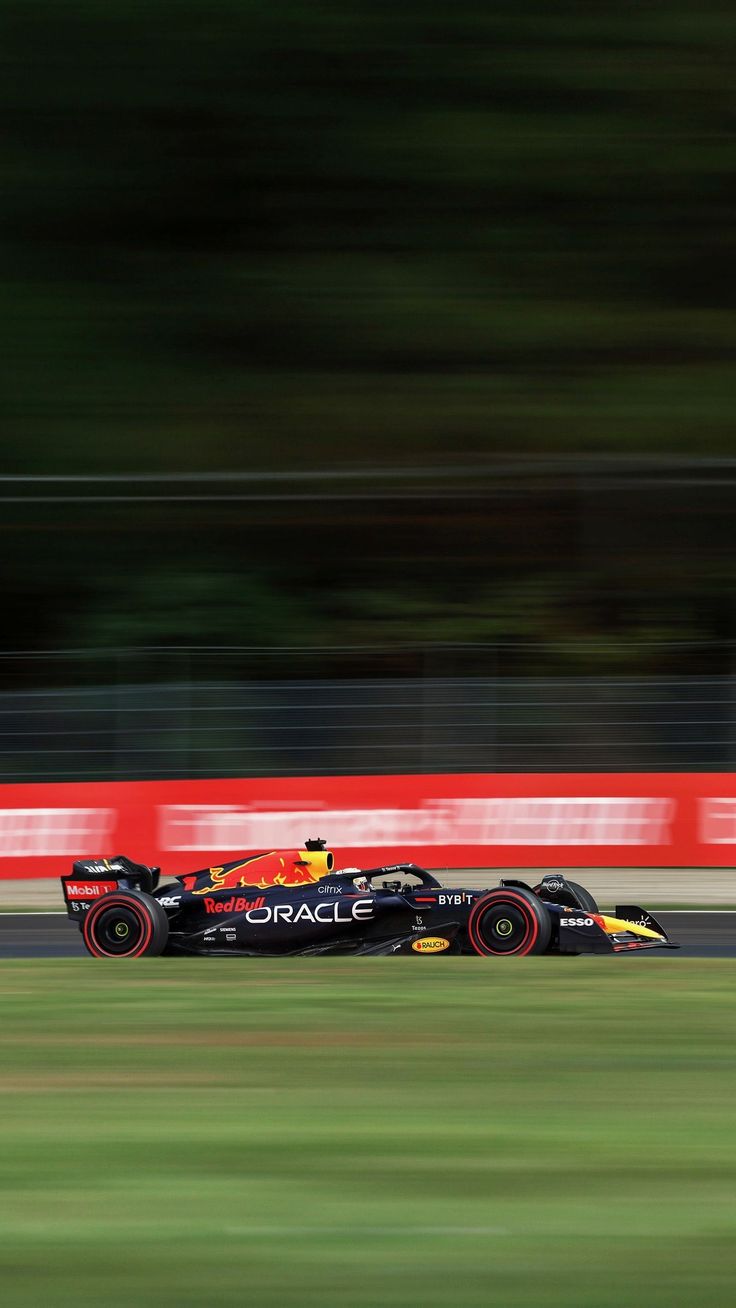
[(257, 235)]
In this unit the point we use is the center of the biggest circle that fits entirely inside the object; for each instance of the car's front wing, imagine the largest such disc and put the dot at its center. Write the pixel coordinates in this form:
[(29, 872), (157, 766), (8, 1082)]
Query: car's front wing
[(601, 933)]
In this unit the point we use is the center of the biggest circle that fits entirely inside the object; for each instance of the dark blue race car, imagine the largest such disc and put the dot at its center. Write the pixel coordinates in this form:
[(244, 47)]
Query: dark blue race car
[(294, 902)]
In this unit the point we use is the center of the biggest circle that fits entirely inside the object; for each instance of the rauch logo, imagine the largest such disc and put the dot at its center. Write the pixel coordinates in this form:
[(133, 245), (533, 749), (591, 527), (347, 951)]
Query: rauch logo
[(430, 945)]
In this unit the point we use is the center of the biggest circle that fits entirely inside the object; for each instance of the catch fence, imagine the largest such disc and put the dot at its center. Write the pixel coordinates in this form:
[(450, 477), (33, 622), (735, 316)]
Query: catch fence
[(179, 723)]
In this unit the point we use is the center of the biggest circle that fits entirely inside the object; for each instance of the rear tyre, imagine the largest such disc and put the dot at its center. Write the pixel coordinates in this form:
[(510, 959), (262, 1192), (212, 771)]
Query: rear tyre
[(125, 924), (585, 899), (508, 922)]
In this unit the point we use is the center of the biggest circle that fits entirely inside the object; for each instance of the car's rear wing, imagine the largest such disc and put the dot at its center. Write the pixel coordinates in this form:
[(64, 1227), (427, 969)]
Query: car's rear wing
[(92, 877)]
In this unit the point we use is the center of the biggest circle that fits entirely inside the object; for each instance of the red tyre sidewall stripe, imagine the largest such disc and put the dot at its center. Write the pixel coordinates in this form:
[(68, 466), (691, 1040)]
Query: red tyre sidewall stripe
[(530, 917), (109, 901)]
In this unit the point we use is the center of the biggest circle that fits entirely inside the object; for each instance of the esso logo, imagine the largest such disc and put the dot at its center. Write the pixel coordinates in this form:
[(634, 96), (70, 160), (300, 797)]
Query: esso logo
[(577, 921)]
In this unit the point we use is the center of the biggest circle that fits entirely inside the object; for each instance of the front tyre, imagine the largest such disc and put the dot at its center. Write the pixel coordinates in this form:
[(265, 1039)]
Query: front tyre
[(509, 921), (125, 924)]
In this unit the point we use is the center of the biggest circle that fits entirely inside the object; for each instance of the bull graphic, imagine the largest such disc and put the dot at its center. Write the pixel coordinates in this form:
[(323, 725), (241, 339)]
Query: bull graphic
[(292, 867)]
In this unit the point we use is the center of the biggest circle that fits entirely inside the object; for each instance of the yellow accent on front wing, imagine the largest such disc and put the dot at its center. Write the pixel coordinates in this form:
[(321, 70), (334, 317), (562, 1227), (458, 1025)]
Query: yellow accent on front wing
[(612, 926)]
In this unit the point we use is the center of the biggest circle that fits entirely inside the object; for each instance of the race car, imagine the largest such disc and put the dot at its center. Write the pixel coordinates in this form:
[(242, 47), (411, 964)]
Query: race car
[(288, 902)]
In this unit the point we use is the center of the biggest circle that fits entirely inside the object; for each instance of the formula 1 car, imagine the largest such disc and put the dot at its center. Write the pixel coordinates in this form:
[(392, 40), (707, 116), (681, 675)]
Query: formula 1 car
[(294, 902)]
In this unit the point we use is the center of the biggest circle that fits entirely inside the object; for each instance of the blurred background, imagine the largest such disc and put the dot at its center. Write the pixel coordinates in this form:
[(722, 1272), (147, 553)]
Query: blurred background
[(368, 387), (367, 407)]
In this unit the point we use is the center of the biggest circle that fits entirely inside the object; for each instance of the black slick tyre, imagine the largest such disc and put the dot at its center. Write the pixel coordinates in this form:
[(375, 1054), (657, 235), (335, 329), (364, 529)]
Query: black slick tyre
[(125, 924), (508, 922)]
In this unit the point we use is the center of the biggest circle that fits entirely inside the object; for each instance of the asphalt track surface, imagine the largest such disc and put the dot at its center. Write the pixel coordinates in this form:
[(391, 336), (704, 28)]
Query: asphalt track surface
[(702, 934)]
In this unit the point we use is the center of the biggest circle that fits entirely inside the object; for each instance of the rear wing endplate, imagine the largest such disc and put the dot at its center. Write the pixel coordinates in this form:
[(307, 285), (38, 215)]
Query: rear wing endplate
[(91, 878)]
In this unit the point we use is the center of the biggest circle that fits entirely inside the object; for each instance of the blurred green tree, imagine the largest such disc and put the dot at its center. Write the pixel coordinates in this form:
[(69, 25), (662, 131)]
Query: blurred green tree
[(258, 235)]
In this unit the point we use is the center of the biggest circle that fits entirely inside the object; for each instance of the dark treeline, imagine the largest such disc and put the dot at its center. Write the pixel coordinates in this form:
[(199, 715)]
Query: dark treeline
[(278, 235)]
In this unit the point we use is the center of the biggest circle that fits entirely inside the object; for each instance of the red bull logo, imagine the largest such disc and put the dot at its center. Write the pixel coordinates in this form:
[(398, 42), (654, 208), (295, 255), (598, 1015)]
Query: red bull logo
[(286, 867), (237, 904)]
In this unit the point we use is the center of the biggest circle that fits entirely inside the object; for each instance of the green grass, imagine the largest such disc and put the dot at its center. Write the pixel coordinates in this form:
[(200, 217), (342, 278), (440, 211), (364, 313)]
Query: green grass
[(364, 1132)]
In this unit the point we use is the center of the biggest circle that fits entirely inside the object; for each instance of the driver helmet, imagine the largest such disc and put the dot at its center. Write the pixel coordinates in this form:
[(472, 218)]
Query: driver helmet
[(360, 881)]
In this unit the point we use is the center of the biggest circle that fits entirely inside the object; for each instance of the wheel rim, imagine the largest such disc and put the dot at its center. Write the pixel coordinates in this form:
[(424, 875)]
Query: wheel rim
[(119, 929), (503, 928), (503, 925)]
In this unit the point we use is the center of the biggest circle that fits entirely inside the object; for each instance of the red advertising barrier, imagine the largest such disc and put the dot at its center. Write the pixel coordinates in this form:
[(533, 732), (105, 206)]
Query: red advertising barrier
[(472, 820)]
